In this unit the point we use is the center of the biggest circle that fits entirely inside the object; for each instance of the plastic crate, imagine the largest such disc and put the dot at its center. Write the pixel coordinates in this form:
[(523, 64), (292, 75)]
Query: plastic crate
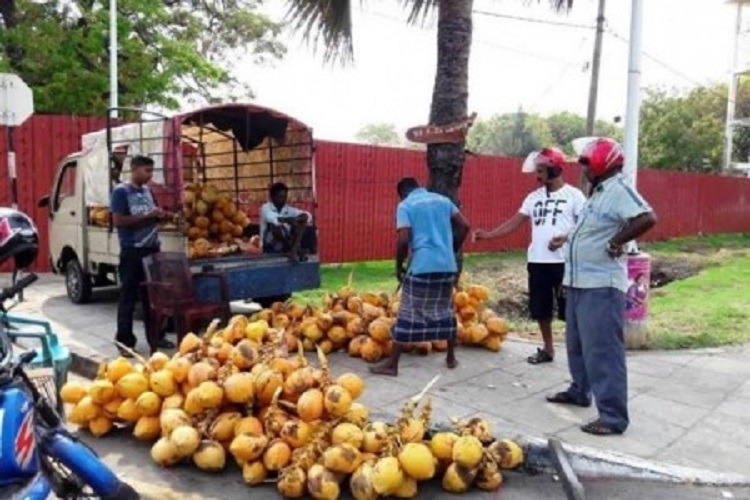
[(45, 381), (49, 369)]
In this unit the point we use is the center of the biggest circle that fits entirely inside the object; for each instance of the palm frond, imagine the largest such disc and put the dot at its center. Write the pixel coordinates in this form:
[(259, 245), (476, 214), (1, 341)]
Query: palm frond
[(562, 4), (324, 24), (421, 10)]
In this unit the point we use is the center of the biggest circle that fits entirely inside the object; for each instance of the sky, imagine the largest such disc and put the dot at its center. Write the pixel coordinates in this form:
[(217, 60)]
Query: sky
[(537, 66)]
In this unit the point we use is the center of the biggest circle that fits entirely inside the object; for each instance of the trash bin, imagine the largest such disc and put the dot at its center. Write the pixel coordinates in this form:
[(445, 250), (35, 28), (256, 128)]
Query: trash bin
[(636, 311)]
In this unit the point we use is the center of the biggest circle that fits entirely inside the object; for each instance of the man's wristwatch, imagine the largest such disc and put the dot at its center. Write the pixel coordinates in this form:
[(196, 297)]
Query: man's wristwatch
[(612, 248)]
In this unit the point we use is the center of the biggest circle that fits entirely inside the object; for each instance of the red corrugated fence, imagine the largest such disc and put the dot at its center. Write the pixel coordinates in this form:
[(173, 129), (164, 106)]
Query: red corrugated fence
[(357, 199), (356, 188)]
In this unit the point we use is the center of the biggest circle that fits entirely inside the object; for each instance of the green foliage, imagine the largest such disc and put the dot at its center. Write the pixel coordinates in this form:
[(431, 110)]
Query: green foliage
[(509, 134), (518, 134), (566, 126), (384, 134), (679, 131), (685, 131), (168, 51)]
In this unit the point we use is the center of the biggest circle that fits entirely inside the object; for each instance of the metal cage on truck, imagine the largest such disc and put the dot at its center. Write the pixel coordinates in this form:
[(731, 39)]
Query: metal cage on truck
[(238, 149)]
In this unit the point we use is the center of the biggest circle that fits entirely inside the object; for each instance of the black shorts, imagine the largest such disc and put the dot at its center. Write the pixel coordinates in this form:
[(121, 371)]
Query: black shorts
[(545, 289)]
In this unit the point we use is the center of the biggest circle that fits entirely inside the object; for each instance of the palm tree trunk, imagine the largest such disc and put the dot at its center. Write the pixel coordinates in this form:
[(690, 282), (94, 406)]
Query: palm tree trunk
[(450, 94)]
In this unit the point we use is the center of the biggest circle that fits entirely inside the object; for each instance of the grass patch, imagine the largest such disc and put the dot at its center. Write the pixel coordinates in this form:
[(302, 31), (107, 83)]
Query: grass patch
[(707, 310), (380, 276), (375, 276), (699, 244)]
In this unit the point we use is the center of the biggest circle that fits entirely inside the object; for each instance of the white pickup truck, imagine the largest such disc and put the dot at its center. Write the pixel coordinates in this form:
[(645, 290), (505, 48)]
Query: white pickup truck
[(238, 150)]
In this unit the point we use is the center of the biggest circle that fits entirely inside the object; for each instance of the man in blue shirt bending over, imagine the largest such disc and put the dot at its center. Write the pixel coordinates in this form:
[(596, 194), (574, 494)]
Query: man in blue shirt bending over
[(425, 223)]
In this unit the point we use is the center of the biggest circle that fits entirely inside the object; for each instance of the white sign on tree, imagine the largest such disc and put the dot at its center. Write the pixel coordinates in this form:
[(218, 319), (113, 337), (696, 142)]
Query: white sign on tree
[(16, 105)]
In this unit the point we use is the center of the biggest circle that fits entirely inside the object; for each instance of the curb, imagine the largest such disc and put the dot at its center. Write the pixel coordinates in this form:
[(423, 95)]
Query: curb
[(572, 486), (593, 463), (86, 366)]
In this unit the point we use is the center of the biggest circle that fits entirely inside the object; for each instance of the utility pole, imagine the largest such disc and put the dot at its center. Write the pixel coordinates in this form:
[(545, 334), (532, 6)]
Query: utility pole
[(735, 74), (113, 88), (632, 118), (594, 86)]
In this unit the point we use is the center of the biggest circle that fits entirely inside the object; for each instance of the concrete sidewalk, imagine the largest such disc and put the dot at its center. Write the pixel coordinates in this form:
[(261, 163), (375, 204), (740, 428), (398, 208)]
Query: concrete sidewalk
[(688, 408)]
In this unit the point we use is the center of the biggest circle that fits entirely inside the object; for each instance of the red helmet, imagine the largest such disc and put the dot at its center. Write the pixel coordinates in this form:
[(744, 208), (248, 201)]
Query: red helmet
[(602, 155), (550, 157)]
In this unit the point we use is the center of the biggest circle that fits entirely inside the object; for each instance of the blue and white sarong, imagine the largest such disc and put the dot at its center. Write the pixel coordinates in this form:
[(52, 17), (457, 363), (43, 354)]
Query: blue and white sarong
[(426, 309)]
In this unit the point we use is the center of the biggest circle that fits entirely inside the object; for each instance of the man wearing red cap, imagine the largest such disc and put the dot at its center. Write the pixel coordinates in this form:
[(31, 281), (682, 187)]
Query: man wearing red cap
[(552, 210), (596, 282)]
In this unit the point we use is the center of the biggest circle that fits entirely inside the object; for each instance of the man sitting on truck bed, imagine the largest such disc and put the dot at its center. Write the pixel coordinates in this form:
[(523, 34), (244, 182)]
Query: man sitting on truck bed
[(282, 226), (136, 215)]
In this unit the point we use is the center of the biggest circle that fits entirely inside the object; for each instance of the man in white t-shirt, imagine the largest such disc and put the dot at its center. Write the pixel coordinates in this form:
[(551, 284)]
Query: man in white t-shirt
[(552, 211), (282, 226)]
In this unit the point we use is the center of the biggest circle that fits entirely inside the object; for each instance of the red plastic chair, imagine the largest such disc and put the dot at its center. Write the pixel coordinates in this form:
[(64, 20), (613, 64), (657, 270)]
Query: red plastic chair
[(169, 284)]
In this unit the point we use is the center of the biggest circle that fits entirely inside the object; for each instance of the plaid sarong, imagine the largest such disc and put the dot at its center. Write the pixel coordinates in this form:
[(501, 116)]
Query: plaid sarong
[(426, 310)]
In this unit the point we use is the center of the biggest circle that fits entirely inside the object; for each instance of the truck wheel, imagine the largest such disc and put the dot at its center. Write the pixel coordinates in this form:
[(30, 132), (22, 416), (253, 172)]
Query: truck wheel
[(77, 283)]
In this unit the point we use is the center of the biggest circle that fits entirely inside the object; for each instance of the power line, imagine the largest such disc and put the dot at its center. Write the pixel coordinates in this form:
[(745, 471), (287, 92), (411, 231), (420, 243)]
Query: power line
[(533, 20), (655, 59), (668, 67), (536, 55), (545, 57), (556, 81)]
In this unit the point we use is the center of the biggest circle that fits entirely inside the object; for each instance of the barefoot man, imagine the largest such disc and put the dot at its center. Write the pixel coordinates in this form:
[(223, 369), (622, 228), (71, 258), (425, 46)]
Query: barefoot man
[(425, 223)]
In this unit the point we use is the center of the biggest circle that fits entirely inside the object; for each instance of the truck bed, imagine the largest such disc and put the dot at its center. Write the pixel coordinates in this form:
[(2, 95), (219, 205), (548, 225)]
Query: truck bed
[(257, 276), (248, 276), (104, 247)]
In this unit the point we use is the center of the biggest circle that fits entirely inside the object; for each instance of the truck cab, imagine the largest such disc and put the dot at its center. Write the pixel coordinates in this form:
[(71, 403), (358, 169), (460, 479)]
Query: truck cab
[(235, 152)]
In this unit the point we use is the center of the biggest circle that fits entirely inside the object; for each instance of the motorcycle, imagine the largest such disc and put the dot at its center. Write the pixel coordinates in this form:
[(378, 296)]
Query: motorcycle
[(38, 456)]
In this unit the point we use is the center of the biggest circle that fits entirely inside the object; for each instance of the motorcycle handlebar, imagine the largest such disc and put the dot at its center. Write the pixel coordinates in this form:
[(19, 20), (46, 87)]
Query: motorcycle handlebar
[(14, 289), (5, 346)]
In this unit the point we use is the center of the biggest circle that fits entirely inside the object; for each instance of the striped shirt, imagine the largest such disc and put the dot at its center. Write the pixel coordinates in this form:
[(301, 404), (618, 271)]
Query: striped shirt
[(587, 264)]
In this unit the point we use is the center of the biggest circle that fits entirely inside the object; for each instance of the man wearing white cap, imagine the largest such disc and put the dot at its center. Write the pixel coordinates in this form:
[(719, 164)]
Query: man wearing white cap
[(552, 210)]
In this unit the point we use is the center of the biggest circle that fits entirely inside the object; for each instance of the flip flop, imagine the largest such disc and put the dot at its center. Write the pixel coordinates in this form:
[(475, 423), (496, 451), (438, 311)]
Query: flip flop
[(599, 428), (541, 356), (124, 353), (564, 398), (165, 344)]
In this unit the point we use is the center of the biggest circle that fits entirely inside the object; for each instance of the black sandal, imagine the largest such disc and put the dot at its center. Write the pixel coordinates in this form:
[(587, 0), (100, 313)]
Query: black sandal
[(125, 353), (599, 428), (165, 344), (541, 356), (564, 398)]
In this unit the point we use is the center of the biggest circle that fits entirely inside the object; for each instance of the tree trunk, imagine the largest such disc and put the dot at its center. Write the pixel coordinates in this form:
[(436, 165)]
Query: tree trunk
[(450, 94)]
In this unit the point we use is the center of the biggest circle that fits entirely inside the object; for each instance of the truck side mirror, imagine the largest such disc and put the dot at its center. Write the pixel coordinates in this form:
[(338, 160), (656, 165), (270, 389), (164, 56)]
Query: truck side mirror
[(43, 201)]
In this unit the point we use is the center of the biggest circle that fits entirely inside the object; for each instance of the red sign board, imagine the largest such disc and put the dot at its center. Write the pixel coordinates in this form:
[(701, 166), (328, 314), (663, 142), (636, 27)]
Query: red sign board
[(434, 134)]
